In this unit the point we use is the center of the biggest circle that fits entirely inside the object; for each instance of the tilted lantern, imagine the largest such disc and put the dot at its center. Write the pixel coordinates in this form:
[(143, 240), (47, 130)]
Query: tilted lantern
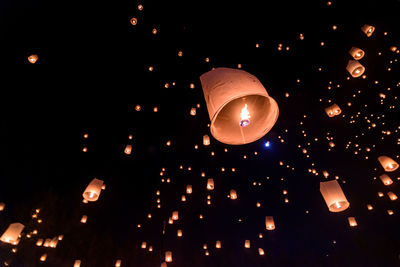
[(386, 179), (352, 221), (392, 195), (333, 110), (333, 196), (93, 190), (356, 53), (77, 263), (269, 223), (355, 68), (368, 29), (11, 235), (2, 206), (240, 109), (388, 163)]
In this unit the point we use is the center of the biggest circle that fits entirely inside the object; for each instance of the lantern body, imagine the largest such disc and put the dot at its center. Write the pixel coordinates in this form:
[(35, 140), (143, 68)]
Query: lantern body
[(128, 149), (179, 233), (33, 58), (392, 195), (164, 264), (260, 251), (118, 263), (193, 111), (210, 184), (218, 244), (43, 257), (227, 92), (77, 263), (386, 179), (247, 243), (189, 189), (93, 190), (388, 163), (144, 245), (206, 140), (368, 29), (233, 194), (168, 256), (352, 221), (356, 53), (11, 235), (175, 215), (334, 196), (333, 110), (355, 68), (269, 223), (84, 219), (2, 206)]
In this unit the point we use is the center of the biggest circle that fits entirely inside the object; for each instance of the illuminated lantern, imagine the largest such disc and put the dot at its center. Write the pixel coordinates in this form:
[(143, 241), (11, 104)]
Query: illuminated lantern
[(356, 53), (164, 264), (93, 190), (33, 58), (128, 149), (206, 140), (240, 109), (179, 233), (39, 243), (369, 207), (133, 21), (233, 194), (84, 219), (392, 195), (388, 163), (11, 235), (333, 196), (260, 251), (47, 242), (247, 243), (189, 189), (355, 68), (333, 110), (2, 206), (118, 263), (386, 179), (269, 223), (144, 245), (43, 257), (175, 215), (77, 263), (168, 256), (352, 221), (368, 29), (218, 244), (210, 184), (53, 242), (193, 111)]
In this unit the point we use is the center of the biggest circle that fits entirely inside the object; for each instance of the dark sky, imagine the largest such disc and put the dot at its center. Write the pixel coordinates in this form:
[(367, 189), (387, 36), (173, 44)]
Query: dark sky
[(92, 72)]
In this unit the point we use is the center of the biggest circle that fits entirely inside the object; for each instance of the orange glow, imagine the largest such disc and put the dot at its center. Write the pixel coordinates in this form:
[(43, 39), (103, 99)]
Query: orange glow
[(244, 117)]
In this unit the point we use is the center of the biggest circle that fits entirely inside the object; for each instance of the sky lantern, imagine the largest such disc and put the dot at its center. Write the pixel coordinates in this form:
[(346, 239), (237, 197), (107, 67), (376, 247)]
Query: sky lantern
[(269, 223), (175, 215), (12, 233), (218, 244), (233, 194), (388, 163), (164, 264), (168, 256), (93, 190), (240, 109), (368, 29), (77, 263), (261, 251), (144, 245), (33, 58), (179, 233), (39, 242), (193, 111), (333, 110), (118, 263), (355, 68), (206, 140), (210, 184), (2, 206), (128, 149), (247, 243), (356, 53), (333, 196), (386, 179), (189, 189), (84, 219), (352, 221), (392, 195), (43, 257)]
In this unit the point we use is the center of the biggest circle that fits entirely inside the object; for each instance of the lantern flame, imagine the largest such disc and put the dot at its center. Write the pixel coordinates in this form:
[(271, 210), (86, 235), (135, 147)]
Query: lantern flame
[(337, 205), (244, 117)]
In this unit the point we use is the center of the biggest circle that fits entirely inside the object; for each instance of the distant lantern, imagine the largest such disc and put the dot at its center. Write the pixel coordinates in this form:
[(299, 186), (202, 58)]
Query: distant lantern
[(2, 206), (352, 221), (84, 219), (392, 195), (269, 223), (168, 256), (386, 179), (356, 53), (218, 244), (33, 58), (12, 234), (164, 264), (233, 194), (193, 111), (189, 189), (175, 215), (261, 251), (118, 263), (39, 242), (355, 68), (179, 233), (240, 109), (43, 257), (133, 21), (333, 110), (370, 207), (247, 243), (210, 184), (144, 245), (128, 149), (93, 190), (333, 196), (206, 140), (77, 263), (388, 163), (368, 29)]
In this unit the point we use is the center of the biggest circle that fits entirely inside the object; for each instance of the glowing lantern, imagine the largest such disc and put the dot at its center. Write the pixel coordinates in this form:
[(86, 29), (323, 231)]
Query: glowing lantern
[(118, 263), (11, 235), (240, 109), (210, 184), (193, 111), (247, 243), (179, 233), (356, 53), (128, 149), (39, 243), (189, 189), (388, 163), (369, 207), (77, 263), (33, 58), (175, 215), (261, 251), (355, 68), (386, 179), (168, 256), (206, 140), (164, 264), (144, 245), (368, 29), (218, 244), (334, 196), (133, 21), (269, 223), (392, 195), (333, 110), (43, 257), (93, 190), (233, 194), (352, 221), (2, 206), (84, 219)]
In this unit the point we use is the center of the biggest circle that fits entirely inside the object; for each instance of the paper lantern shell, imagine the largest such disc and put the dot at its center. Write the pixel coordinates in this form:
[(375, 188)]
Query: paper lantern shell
[(206, 140), (388, 163), (168, 256), (93, 190), (355, 68), (333, 110), (352, 221), (386, 179), (226, 92), (210, 184), (356, 53), (269, 223), (368, 29), (334, 196), (11, 235)]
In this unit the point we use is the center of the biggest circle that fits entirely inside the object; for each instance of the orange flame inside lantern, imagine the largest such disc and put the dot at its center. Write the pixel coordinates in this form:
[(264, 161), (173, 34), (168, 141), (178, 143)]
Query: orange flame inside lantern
[(244, 117)]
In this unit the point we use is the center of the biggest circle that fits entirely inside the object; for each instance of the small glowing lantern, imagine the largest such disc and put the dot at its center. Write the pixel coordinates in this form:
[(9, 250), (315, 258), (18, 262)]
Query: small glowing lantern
[(193, 111), (392, 195), (269, 223), (370, 207), (2, 206), (33, 58), (386, 179), (164, 264), (334, 196), (233, 194), (210, 184), (84, 219), (12, 233), (39, 243), (168, 256), (179, 233), (118, 263), (240, 109), (175, 215), (247, 243), (43, 257), (144, 245), (368, 29), (133, 21), (206, 140), (333, 110), (128, 149), (352, 221), (355, 68), (356, 53), (218, 244), (388, 163), (77, 263), (189, 189), (93, 190), (261, 251)]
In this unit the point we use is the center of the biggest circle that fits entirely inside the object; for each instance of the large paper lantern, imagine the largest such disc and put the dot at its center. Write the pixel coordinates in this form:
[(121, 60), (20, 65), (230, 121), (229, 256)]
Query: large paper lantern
[(334, 196), (355, 68), (333, 110), (388, 163), (368, 29), (11, 235), (356, 53), (240, 109), (93, 190), (386, 179)]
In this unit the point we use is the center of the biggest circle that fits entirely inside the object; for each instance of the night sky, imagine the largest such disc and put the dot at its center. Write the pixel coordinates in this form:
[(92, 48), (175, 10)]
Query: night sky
[(92, 73)]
